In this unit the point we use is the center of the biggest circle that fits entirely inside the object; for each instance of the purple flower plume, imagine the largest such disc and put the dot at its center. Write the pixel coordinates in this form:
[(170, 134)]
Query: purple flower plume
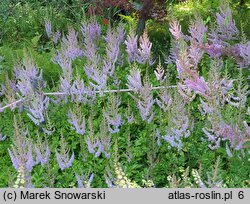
[(95, 148), (91, 30), (132, 47), (134, 80), (84, 181), (42, 154), (48, 28), (199, 85), (36, 108), (144, 52), (63, 159), (70, 45), (113, 40), (77, 122)]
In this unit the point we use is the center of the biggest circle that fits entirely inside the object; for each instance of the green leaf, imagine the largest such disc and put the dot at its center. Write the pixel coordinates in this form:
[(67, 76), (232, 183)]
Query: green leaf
[(35, 40)]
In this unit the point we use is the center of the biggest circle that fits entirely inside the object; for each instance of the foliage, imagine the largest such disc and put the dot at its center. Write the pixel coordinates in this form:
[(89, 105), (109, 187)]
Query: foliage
[(89, 104)]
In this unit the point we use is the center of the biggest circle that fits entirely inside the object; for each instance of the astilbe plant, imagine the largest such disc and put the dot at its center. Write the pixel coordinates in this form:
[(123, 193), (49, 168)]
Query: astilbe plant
[(42, 151), (93, 142), (131, 46), (64, 160), (36, 108), (112, 115), (69, 45), (9, 90), (212, 107), (143, 95), (113, 40), (105, 138), (77, 120), (91, 36), (78, 91), (54, 36), (141, 54), (28, 77), (98, 71), (144, 51), (179, 125), (84, 181), (216, 92), (21, 152)]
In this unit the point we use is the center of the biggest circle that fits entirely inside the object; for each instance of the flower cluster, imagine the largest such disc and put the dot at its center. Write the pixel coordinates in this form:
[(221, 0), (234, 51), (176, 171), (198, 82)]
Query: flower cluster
[(143, 97), (63, 159)]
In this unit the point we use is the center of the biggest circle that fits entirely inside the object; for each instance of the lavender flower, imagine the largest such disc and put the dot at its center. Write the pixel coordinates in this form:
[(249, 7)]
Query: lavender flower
[(174, 139), (245, 54), (42, 154), (143, 95), (134, 80), (113, 40), (195, 54), (112, 116), (65, 63), (48, 28), (158, 136), (37, 107), (186, 92), (78, 91), (77, 121), (214, 50), (198, 85), (175, 30), (197, 31), (63, 159), (70, 47), (92, 147), (26, 73), (179, 126), (90, 50), (159, 72), (226, 29), (229, 153), (222, 131), (21, 151), (174, 135), (131, 47), (204, 108), (97, 75), (91, 30), (56, 36), (183, 64), (10, 93), (164, 101), (130, 119), (84, 181), (145, 101), (114, 122), (144, 52), (93, 141)]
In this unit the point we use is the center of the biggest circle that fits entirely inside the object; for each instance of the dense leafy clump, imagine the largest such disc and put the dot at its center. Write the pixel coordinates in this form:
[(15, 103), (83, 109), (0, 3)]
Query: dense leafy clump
[(104, 109)]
